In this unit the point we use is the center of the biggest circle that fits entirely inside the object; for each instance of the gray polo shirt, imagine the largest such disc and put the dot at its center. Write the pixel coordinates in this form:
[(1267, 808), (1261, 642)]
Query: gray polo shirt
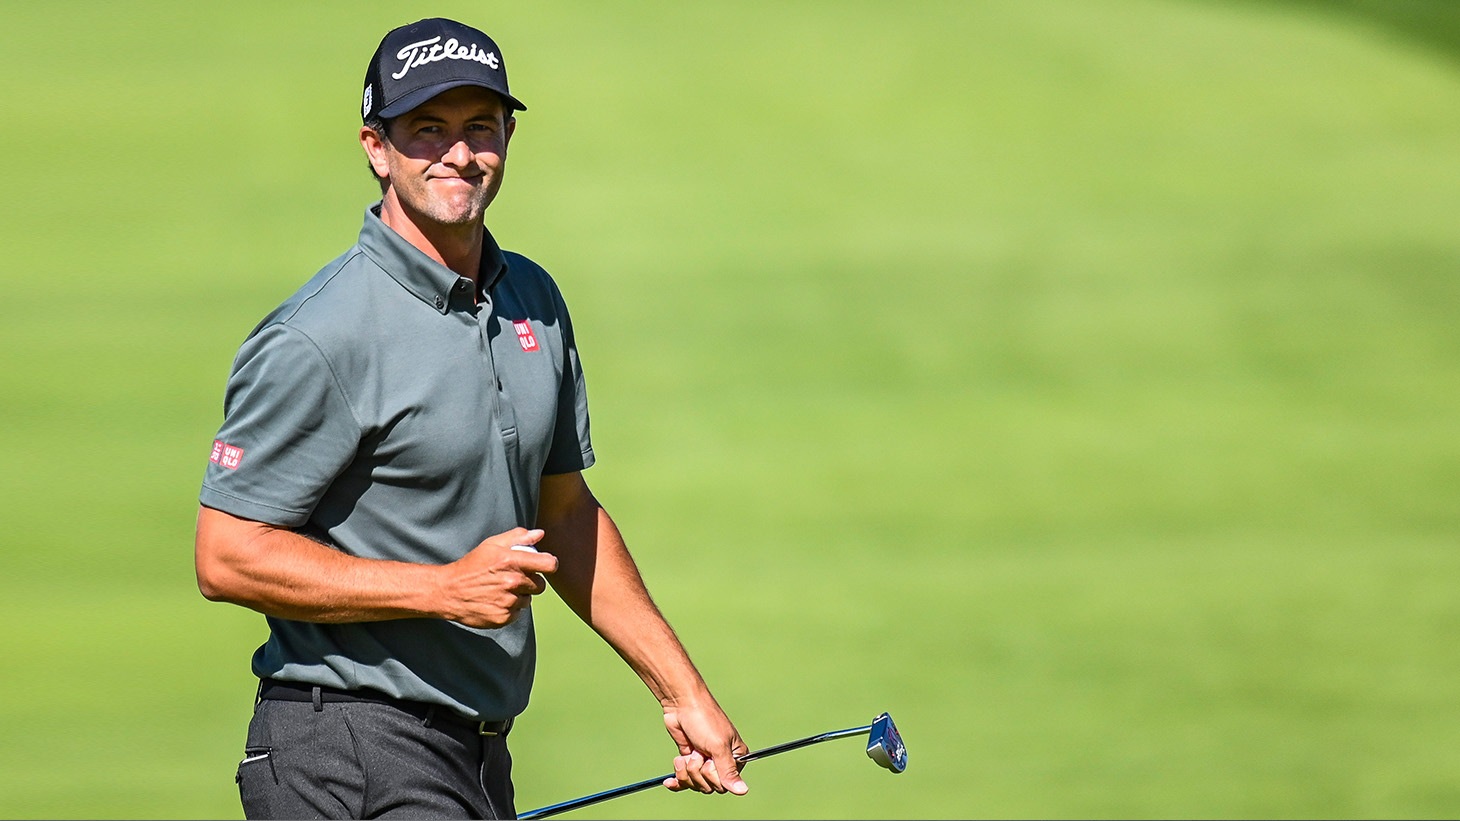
[(379, 409)]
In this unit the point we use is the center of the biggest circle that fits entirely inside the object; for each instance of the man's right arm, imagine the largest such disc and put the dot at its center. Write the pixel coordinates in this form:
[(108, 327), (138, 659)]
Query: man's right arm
[(280, 573)]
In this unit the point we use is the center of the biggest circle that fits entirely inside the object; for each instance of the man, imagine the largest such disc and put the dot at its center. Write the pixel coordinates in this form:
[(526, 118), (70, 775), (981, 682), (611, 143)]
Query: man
[(399, 472)]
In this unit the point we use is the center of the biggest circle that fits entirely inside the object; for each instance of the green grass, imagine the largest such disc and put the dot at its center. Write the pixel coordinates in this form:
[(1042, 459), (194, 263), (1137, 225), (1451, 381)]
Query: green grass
[(1076, 381), (1431, 23)]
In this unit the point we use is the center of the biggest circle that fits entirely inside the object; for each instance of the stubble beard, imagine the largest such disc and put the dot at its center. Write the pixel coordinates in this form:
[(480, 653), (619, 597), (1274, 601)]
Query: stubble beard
[(461, 209)]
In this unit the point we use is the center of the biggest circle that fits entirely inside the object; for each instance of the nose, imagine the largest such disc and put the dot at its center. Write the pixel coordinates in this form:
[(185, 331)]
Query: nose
[(458, 155)]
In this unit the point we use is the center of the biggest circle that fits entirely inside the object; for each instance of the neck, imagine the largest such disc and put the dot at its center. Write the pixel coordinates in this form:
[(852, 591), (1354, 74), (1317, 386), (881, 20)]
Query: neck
[(458, 247)]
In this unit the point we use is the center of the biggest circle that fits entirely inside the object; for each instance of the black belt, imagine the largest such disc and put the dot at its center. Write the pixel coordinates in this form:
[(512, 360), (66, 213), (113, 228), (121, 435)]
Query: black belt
[(275, 690)]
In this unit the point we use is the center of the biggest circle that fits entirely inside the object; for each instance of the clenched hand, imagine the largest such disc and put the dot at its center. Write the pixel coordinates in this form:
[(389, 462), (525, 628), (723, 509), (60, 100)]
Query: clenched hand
[(489, 586)]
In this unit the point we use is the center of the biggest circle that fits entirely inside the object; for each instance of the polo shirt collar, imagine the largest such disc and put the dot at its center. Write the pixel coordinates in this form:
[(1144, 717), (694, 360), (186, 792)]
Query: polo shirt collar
[(430, 281)]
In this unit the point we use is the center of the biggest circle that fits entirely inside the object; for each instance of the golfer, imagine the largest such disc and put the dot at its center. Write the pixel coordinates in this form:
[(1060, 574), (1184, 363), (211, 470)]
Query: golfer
[(400, 471)]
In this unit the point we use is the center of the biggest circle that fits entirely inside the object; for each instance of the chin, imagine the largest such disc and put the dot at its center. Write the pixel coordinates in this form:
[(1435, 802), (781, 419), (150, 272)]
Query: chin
[(457, 214)]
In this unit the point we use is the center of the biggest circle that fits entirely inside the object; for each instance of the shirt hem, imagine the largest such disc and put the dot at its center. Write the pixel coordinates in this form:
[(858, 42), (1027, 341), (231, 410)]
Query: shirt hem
[(250, 509)]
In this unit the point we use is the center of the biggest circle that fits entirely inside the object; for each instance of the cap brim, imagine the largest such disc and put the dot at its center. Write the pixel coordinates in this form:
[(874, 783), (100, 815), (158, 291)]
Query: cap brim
[(421, 95)]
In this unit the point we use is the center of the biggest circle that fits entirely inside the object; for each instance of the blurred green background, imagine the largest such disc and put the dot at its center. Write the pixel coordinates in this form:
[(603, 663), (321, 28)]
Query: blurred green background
[(1077, 381)]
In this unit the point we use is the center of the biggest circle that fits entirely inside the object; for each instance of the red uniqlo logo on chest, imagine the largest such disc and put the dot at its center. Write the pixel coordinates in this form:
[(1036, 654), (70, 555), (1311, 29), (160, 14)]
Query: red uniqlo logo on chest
[(226, 455), (524, 335)]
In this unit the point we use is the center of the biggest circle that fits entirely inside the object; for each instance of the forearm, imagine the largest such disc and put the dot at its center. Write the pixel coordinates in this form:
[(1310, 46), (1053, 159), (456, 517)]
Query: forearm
[(280, 573), (599, 581)]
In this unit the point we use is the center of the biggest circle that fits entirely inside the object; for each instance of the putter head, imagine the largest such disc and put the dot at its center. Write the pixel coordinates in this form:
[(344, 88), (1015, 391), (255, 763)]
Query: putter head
[(884, 744)]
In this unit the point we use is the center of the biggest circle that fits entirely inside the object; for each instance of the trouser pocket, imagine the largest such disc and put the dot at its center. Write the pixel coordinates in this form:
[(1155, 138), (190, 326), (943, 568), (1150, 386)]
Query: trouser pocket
[(256, 781), (257, 756), (298, 763)]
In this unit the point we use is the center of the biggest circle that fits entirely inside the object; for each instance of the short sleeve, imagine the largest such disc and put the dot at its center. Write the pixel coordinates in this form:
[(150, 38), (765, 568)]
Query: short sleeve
[(287, 432), (572, 449)]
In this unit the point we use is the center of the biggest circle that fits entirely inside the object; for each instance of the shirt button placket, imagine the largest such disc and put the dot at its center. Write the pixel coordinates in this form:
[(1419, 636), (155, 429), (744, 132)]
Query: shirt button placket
[(494, 382)]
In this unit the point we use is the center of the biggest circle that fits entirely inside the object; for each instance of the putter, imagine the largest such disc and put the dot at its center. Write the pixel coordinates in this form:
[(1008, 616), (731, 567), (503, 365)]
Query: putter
[(884, 746)]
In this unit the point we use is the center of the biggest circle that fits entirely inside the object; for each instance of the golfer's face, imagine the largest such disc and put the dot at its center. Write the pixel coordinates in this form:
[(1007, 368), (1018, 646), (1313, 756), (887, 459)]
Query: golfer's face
[(447, 155)]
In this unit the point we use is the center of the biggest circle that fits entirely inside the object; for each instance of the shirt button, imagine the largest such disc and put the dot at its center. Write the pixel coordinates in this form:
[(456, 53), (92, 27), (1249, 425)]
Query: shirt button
[(440, 302), (461, 284)]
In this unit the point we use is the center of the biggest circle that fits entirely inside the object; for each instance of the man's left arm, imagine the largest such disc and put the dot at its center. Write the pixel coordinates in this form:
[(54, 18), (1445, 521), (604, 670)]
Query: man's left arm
[(598, 579)]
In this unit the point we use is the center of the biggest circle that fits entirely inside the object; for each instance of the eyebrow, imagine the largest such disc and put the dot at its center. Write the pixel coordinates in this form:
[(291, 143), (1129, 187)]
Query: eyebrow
[(421, 119)]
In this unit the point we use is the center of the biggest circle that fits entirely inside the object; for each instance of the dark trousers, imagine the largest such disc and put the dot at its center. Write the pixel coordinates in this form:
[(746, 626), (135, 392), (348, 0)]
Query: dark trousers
[(370, 760)]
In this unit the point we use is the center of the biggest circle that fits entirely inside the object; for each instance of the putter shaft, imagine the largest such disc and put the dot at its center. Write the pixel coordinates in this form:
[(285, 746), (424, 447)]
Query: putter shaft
[(573, 804)]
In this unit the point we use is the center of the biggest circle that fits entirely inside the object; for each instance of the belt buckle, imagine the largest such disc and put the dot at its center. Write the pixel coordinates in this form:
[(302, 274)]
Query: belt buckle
[(483, 731)]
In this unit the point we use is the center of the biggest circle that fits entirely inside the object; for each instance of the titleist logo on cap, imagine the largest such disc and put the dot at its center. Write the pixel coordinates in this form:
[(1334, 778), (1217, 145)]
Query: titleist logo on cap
[(417, 54), (414, 63)]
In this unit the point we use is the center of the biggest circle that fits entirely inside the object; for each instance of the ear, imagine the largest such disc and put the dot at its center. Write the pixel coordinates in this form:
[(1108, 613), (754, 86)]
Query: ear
[(511, 127), (376, 151)]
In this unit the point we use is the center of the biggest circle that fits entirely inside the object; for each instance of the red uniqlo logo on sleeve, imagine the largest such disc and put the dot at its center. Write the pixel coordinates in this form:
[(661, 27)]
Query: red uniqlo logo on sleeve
[(226, 455), (524, 335)]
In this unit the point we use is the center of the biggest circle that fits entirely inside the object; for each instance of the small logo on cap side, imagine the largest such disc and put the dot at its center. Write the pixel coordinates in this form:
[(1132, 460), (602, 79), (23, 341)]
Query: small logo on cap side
[(369, 98), (417, 54)]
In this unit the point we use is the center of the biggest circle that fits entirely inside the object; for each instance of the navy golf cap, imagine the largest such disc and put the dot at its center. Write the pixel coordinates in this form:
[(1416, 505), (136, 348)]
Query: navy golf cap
[(416, 62)]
